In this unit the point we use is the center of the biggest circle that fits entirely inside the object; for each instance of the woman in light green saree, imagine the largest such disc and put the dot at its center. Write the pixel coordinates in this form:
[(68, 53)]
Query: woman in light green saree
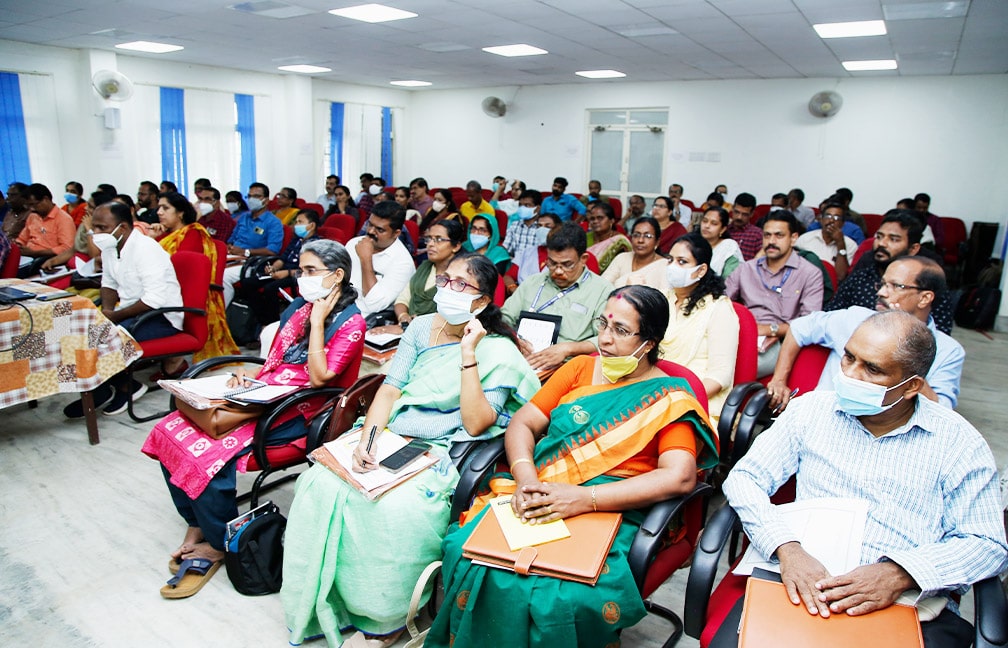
[(458, 375)]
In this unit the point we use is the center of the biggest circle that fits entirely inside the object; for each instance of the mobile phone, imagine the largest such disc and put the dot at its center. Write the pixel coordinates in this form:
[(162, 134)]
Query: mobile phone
[(404, 455), (54, 296)]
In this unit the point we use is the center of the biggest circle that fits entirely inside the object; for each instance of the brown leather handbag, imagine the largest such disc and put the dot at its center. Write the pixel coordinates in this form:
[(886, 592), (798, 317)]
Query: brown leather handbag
[(219, 420)]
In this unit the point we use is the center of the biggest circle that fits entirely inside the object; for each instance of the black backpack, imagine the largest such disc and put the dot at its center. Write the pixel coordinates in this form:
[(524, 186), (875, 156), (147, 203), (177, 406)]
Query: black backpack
[(978, 308), (254, 553)]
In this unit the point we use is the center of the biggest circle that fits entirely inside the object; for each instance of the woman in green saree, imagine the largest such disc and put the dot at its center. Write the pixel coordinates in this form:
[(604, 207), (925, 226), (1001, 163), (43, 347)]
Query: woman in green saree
[(457, 376), (606, 433)]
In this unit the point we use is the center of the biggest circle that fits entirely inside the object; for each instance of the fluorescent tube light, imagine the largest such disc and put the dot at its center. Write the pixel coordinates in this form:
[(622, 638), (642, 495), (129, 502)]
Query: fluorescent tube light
[(864, 66), (851, 29), (149, 47), (304, 69), (520, 49), (411, 83), (600, 74)]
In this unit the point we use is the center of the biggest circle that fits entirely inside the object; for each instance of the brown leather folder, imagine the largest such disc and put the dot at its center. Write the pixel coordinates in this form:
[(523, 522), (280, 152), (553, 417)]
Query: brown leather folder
[(770, 620), (577, 558)]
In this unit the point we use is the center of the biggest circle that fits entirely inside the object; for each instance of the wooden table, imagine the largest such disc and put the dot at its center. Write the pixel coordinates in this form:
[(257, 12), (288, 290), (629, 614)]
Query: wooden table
[(60, 346)]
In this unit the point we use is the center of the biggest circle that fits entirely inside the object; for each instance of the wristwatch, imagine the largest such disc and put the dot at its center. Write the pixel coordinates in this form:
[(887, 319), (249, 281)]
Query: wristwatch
[(842, 252), (773, 329), (248, 253)]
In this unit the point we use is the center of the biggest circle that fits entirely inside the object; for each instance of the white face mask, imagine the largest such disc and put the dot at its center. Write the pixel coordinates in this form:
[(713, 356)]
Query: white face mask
[(438, 206), (205, 209), (541, 234), (232, 207), (105, 241), (255, 204), (680, 277), (374, 190), (456, 307), (311, 288)]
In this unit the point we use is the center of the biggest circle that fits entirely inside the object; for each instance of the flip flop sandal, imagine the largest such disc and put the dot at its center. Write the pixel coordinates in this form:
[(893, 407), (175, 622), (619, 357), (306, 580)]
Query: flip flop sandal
[(192, 575)]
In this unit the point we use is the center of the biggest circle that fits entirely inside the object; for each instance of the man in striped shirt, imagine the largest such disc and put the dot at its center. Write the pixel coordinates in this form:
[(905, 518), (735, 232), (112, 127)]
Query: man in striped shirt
[(934, 520)]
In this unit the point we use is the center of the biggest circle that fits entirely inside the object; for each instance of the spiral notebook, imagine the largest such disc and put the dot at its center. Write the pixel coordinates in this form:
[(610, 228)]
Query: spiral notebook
[(204, 393)]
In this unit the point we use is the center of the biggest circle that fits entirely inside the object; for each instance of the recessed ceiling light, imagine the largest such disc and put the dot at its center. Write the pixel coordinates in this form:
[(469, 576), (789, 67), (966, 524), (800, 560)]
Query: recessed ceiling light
[(851, 29), (149, 47), (304, 69), (443, 47), (372, 13), (864, 66), (521, 49), (600, 74), (271, 9), (636, 32), (922, 10), (411, 83)]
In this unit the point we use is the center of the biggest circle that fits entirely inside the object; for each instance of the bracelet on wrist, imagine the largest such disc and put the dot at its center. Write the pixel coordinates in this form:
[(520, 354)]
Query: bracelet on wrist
[(522, 460), (319, 351), (463, 367), (594, 502)]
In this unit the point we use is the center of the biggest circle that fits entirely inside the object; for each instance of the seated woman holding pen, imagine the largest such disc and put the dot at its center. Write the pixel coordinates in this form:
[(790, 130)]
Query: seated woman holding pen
[(351, 563), (605, 433), (321, 336)]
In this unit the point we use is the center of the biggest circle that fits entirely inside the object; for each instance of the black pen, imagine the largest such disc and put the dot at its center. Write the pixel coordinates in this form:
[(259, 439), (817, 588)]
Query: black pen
[(371, 437)]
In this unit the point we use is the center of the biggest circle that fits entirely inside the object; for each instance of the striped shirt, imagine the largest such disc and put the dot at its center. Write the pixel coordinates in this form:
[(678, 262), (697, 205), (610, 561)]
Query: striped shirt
[(931, 485)]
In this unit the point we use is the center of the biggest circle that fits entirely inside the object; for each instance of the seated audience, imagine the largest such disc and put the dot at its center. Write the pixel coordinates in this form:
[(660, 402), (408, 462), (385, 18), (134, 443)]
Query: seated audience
[(321, 335), (5, 248), (828, 242), (934, 523), (18, 211), (567, 289), (213, 218), (444, 241), (671, 229), (419, 200), (236, 205), (258, 233), (635, 209), (137, 277), (898, 235), (285, 210), (562, 204), (850, 228), (75, 202), (532, 258), (365, 199), (748, 236), (726, 253), (845, 197), (604, 241), (475, 203), (594, 194), (644, 264), (777, 287), (805, 214), (166, 186), (703, 329), (680, 211), (484, 239), (344, 203), (910, 284), (523, 229), (457, 376), (442, 208), (510, 201), (381, 264), (650, 436), (48, 231), (922, 204), (401, 196), (714, 199), (328, 198), (181, 232), (147, 202)]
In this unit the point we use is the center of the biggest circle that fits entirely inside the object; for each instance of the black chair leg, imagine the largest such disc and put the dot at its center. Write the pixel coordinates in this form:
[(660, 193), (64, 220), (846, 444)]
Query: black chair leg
[(671, 617), (129, 404)]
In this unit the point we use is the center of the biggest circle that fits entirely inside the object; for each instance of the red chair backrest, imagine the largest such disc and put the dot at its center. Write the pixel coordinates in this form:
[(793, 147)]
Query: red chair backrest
[(759, 212), (831, 271), (592, 263), (487, 194), (872, 222), (342, 221), (315, 207), (866, 246), (10, 264), (288, 236), (688, 203), (502, 223), (299, 203), (221, 261), (192, 270), (500, 292), (414, 231), (271, 205), (617, 207), (747, 356), (335, 234), (808, 368), (954, 231), (458, 195), (678, 371)]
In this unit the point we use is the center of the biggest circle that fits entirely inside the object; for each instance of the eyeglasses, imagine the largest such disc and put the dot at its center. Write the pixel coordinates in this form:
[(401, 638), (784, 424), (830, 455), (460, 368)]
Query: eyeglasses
[(438, 240), (895, 286), (310, 272), (458, 285), (563, 266), (642, 236), (602, 325), (479, 230)]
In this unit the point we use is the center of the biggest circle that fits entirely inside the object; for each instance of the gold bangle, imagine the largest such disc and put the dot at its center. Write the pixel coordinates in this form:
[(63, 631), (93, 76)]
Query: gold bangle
[(518, 461), (594, 506)]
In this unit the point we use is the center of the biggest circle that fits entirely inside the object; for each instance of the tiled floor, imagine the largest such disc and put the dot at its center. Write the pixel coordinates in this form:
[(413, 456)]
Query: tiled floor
[(85, 532)]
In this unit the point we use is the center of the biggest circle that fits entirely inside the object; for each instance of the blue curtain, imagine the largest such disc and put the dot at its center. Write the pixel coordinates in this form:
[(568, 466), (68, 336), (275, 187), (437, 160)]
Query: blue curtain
[(173, 143), (14, 166), (336, 139), (386, 145), (245, 108)]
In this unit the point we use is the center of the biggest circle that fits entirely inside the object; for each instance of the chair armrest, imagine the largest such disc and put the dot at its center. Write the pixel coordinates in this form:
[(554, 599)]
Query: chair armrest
[(266, 421), (991, 613), (146, 315), (745, 432), (318, 425), (650, 537), (732, 410), (472, 473), (700, 582)]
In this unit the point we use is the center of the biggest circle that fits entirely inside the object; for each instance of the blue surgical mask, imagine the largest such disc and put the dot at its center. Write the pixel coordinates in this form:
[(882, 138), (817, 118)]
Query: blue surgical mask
[(71, 198), (254, 204), (860, 398), (495, 186), (478, 240), (526, 213), (301, 231), (541, 234)]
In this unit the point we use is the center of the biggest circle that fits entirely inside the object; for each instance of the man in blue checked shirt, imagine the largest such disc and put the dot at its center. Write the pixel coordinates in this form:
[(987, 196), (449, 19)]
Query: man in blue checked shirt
[(934, 517)]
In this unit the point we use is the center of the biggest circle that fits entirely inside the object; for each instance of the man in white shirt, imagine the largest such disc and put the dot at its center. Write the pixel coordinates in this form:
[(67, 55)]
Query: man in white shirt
[(381, 264), (328, 199), (803, 213), (829, 242), (137, 277), (680, 212)]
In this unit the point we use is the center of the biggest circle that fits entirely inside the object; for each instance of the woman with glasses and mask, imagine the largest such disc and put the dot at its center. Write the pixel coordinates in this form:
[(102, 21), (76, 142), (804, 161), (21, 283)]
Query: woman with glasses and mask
[(444, 240), (703, 330), (644, 264), (484, 239), (637, 437), (457, 376), (319, 342)]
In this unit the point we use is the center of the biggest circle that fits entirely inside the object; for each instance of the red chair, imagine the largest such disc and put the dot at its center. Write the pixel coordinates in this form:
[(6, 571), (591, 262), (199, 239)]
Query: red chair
[(866, 246), (872, 222), (955, 240), (502, 223), (192, 270), (592, 263), (618, 207), (458, 195), (747, 356), (414, 231), (342, 221), (315, 207), (500, 292), (831, 271), (487, 194), (688, 203), (299, 203), (10, 265), (337, 234), (759, 212), (288, 237)]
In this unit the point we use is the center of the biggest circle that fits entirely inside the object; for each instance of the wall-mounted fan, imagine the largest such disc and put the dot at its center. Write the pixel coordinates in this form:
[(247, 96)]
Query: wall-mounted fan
[(494, 107), (112, 85), (825, 104)]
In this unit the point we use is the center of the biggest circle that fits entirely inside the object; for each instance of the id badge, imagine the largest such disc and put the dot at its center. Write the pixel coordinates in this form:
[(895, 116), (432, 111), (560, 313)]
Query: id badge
[(260, 231)]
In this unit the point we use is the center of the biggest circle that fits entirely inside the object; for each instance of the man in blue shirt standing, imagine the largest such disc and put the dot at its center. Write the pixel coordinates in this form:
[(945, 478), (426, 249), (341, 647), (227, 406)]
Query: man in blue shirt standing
[(257, 233), (562, 204)]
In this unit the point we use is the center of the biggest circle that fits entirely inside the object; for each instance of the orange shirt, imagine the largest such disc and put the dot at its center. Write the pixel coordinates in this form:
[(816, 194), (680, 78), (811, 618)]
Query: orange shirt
[(55, 231)]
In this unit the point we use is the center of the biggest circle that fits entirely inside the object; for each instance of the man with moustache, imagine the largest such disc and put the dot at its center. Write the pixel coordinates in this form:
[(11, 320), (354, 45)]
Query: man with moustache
[(381, 265), (748, 236), (635, 209), (899, 235), (910, 284), (777, 287)]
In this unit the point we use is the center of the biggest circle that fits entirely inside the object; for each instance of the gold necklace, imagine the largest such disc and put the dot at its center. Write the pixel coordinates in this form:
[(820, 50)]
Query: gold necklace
[(449, 334)]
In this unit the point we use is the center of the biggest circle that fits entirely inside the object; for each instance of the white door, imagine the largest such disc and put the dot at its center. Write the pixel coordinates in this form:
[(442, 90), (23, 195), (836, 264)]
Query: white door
[(627, 151)]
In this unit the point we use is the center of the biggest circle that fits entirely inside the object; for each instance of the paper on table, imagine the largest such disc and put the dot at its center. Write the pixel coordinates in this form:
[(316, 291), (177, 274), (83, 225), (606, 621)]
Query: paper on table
[(830, 529), (385, 444), (520, 535)]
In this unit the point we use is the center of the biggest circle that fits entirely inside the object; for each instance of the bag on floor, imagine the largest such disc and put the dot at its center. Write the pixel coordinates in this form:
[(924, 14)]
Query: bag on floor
[(978, 308), (254, 550)]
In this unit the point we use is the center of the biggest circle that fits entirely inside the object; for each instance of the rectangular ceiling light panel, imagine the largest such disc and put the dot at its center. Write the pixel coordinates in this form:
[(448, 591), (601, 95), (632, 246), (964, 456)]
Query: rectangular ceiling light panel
[(304, 69), (864, 66), (851, 29), (521, 49), (601, 74), (149, 47), (372, 13)]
